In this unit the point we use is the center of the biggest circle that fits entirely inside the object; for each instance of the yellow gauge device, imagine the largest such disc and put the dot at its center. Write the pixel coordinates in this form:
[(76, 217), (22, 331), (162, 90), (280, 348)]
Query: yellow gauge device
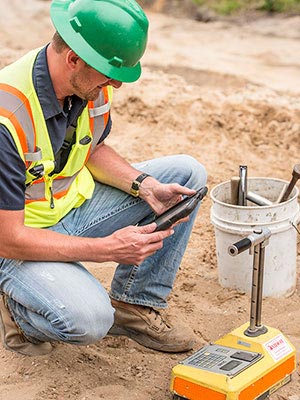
[(251, 362)]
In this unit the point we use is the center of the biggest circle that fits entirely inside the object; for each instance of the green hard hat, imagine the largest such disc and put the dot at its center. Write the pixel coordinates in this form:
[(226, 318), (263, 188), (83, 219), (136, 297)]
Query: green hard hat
[(109, 35)]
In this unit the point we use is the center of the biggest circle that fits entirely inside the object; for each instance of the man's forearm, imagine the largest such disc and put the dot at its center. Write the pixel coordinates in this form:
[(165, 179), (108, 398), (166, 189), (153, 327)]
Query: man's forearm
[(129, 245), (110, 168), (42, 244)]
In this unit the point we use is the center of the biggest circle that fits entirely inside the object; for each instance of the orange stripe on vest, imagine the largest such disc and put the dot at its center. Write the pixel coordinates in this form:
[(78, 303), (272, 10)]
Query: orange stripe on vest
[(18, 127)]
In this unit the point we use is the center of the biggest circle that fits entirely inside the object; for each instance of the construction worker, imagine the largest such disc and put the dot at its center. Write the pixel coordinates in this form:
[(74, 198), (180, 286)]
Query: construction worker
[(67, 197)]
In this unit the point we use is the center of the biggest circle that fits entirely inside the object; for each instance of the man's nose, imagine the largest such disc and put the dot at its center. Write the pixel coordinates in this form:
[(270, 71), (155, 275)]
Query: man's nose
[(114, 83)]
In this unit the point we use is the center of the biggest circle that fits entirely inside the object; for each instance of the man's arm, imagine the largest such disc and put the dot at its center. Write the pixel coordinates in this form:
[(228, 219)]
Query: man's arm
[(108, 167), (130, 245)]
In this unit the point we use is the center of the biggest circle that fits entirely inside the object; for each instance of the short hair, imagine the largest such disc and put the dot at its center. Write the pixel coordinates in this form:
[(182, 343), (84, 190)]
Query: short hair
[(58, 42)]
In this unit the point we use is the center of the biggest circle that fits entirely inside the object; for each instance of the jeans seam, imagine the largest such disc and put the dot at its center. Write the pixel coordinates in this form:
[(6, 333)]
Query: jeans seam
[(106, 216), (130, 280)]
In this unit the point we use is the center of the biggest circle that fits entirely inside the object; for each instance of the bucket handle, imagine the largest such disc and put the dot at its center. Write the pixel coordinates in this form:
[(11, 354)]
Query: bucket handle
[(296, 221)]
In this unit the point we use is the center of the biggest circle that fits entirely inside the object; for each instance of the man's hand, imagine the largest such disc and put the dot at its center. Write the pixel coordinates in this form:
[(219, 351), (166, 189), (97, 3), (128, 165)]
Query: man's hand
[(161, 197), (132, 244)]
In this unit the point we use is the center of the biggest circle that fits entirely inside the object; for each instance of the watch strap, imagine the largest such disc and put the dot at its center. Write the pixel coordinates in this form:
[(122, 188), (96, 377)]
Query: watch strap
[(135, 186)]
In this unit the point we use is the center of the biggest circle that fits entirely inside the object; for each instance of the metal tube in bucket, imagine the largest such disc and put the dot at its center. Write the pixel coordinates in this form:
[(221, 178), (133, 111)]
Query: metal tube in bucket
[(232, 222)]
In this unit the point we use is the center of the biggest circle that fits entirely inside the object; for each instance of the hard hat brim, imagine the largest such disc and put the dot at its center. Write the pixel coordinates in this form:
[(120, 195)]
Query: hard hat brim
[(74, 40)]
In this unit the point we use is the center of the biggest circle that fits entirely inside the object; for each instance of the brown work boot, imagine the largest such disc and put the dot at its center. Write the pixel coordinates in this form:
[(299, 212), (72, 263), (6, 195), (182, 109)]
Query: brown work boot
[(12, 337), (146, 326)]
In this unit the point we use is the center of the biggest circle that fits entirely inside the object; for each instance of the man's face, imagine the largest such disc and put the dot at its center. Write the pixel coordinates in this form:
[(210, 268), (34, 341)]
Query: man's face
[(87, 82)]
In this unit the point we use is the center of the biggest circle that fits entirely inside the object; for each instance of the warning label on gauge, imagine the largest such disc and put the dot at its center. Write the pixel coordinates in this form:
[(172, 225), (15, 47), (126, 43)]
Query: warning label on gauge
[(278, 347)]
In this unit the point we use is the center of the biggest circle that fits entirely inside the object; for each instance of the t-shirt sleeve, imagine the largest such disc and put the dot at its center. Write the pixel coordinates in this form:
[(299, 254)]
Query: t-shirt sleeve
[(12, 173), (106, 131)]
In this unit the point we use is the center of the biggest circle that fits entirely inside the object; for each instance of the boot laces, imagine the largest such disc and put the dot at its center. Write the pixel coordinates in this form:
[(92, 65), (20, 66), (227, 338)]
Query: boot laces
[(158, 317)]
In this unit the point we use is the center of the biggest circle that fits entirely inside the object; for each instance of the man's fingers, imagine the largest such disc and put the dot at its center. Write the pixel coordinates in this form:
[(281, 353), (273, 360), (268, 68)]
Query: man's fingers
[(155, 236), (185, 219), (149, 228)]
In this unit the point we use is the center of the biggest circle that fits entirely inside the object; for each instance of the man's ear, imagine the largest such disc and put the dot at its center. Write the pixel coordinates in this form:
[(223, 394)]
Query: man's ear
[(72, 59)]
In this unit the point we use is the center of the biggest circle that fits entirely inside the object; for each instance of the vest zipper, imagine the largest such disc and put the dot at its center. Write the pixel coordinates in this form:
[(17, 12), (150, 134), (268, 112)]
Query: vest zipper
[(51, 198), (48, 182)]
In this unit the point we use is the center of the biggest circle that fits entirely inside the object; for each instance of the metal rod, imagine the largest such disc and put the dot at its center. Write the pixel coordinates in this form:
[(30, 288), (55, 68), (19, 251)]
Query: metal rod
[(256, 242), (256, 328), (254, 290), (239, 190), (294, 180), (257, 199), (242, 197), (260, 284)]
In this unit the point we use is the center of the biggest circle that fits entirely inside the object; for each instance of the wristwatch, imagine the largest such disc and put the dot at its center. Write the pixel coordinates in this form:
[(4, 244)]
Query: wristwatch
[(135, 187)]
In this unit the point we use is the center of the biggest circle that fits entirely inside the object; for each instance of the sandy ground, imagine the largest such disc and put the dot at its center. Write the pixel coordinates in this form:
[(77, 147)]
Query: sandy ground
[(224, 93)]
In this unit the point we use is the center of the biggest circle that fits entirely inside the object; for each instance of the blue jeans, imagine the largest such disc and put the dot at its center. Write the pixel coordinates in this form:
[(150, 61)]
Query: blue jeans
[(58, 301)]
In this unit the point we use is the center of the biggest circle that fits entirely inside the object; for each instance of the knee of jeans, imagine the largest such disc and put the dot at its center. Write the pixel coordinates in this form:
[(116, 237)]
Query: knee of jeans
[(88, 327), (192, 170)]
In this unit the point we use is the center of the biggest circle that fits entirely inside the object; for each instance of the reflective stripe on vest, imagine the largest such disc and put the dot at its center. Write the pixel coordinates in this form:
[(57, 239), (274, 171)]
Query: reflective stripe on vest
[(15, 106), (59, 187), (99, 112)]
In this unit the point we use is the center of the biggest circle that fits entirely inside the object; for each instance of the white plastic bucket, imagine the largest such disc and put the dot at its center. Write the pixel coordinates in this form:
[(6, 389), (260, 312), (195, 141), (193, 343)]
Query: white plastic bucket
[(232, 222)]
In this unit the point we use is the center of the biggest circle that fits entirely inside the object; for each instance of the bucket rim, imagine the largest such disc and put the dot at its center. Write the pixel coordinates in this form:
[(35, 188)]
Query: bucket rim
[(235, 206)]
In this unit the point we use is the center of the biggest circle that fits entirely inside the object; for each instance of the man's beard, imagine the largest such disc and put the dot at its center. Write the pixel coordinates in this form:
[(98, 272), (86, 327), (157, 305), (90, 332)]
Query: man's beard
[(76, 83)]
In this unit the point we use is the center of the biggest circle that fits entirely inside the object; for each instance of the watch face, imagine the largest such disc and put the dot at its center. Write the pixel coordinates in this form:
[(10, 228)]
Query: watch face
[(135, 185)]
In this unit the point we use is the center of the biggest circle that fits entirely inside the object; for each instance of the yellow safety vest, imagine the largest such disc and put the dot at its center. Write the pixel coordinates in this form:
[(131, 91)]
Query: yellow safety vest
[(49, 197)]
